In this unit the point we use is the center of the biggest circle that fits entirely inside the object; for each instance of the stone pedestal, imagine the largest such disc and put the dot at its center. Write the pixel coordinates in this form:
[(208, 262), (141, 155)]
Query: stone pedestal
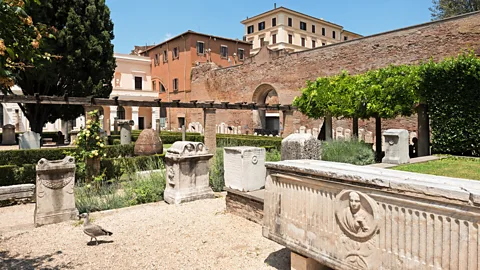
[(125, 131), (210, 134), (244, 168), (55, 200), (8, 135), (148, 143), (300, 146), (396, 142), (73, 136), (187, 173), (29, 140)]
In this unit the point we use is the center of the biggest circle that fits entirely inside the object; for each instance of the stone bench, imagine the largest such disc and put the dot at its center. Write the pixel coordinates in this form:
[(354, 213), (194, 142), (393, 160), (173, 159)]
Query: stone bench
[(17, 192), (353, 217)]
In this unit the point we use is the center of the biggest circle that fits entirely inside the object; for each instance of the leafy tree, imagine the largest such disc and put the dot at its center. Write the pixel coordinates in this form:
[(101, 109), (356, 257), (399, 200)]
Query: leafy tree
[(447, 8), (19, 41), (84, 65)]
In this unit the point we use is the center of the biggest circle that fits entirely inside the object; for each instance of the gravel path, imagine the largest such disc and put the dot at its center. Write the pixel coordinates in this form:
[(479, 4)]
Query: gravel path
[(196, 235)]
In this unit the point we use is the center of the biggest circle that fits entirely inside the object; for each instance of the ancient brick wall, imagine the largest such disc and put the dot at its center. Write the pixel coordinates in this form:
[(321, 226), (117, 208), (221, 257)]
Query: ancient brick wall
[(287, 73)]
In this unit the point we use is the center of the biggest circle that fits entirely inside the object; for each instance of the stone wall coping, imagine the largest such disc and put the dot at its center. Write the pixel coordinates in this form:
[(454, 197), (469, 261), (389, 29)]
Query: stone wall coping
[(68, 163), (241, 149), (464, 190)]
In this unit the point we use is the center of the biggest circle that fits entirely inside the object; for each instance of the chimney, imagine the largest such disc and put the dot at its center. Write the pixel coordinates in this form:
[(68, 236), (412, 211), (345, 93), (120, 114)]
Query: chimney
[(274, 5)]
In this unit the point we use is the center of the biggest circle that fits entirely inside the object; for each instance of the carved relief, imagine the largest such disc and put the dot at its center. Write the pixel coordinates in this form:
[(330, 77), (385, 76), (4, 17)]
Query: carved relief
[(171, 175), (357, 216)]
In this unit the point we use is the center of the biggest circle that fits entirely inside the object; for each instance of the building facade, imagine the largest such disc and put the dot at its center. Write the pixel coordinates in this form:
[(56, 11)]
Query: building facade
[(172, 61), (283, 28)]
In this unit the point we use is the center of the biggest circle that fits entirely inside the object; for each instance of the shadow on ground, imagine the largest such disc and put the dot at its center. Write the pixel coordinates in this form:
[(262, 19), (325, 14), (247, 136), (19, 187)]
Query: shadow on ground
[(100, 242), (279, 259), (9, 261)]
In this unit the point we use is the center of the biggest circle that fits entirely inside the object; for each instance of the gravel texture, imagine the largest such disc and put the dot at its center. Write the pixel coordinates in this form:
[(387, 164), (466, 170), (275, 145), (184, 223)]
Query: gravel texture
[(196, 235)]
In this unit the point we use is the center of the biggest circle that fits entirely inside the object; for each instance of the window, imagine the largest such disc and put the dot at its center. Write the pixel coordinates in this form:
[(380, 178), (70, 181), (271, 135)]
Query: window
[(323, 31), (303, 42), (290, 22), (274, 38), (314, 44), (154, 86), (175, 53), (181, 122), (334, 35), (261, 41), (250, 29), (200, 47), (313, 28), (175, 84), (162, 88), (345, 38), (290, 39), (261, 26), (165, 56), (241, 54), (274, 22), (120, 112), (303, 26), (138, 83), (223, 51), (156, 61), (324, 44)]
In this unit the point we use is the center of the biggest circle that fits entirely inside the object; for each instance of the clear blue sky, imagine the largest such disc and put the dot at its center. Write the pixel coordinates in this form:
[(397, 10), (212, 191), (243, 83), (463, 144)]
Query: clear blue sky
[(153, 21)]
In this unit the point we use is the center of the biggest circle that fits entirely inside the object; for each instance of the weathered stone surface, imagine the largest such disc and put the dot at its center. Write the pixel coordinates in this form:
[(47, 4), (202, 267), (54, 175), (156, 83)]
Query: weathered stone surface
[(8, 135), (125, 131), (301, 146), (24, 191), (186, 165), (243, 205), (55, 200), (148, 143), (355, 217), (244, 168), (29, 140), (396, 146)]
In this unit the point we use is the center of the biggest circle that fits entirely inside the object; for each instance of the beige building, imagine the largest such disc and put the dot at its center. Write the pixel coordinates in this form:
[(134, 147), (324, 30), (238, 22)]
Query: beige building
[(283, 28)]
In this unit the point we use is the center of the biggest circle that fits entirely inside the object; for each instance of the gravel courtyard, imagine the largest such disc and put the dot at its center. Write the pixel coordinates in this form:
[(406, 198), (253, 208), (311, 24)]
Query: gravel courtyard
[(196, 235)]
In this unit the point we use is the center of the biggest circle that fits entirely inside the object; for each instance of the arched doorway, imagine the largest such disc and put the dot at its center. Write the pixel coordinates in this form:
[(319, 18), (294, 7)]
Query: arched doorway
[(266, 122)]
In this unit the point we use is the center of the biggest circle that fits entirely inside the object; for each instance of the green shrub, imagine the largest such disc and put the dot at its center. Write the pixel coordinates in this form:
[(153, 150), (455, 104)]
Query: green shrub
[(148, 186), (114, 151), (116, 142), (217, 180), (108, 196), (8, 175), (451, 88), (245, 140), (273, 155), (352, 152), (114, 168)]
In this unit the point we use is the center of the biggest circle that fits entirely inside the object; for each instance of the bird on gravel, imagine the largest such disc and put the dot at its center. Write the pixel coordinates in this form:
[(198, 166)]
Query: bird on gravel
[(92, 230)]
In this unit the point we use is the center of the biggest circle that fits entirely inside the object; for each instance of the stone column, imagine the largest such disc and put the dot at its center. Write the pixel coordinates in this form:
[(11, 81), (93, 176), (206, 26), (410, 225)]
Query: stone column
[(328, 127), (135, 117), (210, 136), (288, 127), (423, 131), (155, 117), (113, 115)]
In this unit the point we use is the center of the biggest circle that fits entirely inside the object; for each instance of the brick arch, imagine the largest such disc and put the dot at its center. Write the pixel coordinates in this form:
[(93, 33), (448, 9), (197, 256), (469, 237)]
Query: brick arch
[(263, 92)]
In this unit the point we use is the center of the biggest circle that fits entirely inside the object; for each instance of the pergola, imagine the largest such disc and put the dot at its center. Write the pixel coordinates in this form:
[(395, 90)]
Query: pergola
[(209, 108)]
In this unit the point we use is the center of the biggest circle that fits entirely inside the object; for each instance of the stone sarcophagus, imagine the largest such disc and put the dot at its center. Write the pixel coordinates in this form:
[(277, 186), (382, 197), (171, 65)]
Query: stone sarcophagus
[(353, 217), (187, 170), (55, 200), (244, 168)]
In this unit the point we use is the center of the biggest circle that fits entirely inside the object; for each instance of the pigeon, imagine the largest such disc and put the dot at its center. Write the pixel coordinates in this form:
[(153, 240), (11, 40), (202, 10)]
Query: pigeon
[(92, 230)]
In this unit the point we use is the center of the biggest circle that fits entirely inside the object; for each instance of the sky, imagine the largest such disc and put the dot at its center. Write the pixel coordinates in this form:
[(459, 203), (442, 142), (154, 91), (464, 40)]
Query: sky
[(154, 21)]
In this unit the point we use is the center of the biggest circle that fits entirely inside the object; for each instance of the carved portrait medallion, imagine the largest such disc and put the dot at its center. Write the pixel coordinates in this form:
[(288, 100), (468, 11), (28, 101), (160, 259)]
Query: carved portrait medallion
[(357, 215)]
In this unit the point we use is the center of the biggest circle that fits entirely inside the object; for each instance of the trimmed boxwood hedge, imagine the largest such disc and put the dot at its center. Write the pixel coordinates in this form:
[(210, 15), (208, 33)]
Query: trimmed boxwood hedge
[(32, 156)]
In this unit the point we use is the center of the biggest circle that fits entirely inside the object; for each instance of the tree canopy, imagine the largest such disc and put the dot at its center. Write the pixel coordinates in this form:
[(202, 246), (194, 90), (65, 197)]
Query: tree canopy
[(447, 8), (85, 64)]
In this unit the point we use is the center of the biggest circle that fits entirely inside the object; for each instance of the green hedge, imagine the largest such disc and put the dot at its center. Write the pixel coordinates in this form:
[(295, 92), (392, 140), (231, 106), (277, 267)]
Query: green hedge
[(32, 156), (114, 168), (451, 89)]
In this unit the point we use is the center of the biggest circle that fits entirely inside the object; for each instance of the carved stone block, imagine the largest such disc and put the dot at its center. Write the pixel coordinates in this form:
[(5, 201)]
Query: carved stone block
[(187, 172), (125, 131), (244, 168), (55, 200), (301, 146), (396, 146), (8, 135)]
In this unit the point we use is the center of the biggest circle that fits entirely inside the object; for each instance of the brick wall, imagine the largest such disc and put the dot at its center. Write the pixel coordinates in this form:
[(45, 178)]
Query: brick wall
[(287, 73)]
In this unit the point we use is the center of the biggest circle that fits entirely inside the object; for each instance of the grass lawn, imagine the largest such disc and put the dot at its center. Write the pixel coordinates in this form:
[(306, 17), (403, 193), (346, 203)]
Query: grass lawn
[(458, 167)]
